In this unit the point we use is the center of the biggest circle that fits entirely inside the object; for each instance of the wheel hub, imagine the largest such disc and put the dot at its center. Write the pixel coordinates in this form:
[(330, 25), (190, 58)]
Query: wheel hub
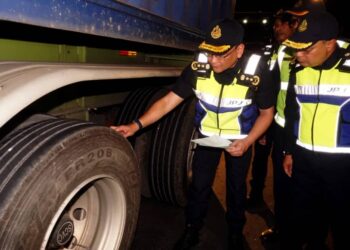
[(63, 234)]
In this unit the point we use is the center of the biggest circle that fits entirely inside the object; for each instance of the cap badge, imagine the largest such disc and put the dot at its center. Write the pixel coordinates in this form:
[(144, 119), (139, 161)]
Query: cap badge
[(216, 32), (303, 26)]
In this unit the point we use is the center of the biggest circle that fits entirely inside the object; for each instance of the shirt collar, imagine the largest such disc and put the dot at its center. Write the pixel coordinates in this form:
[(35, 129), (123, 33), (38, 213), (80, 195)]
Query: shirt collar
[(331, 61), (226, 77)]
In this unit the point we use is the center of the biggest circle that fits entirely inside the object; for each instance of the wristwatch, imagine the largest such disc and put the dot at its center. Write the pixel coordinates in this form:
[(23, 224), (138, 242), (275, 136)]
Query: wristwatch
[(138, 123)]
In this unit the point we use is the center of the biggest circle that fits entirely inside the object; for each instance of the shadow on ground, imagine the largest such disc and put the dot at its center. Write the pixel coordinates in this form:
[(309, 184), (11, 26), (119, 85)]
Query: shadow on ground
[(161, 224)]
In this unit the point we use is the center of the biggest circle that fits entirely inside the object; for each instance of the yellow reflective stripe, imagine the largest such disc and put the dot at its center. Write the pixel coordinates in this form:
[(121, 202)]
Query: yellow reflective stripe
[(235, 102), (252, 64), (280, 55), (224, 102), (324, 149), (272, 61), (284, 85), (342, 44), (272, 64), (208, 98), (280, 120), (306, 90), (334, 90), (323, 89)]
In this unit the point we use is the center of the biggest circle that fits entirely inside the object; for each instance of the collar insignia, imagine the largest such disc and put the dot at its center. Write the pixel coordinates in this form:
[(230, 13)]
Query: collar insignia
[(216, 32), (194, 66), (256, 80)]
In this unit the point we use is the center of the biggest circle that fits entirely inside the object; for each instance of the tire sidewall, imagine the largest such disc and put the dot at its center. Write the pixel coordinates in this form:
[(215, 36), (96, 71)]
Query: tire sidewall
[(67, 165)]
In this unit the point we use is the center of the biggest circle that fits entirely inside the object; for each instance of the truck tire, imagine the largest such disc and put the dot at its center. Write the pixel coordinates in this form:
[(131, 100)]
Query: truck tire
[(133, 107), (164, 149), (172, 151), (66, 184)]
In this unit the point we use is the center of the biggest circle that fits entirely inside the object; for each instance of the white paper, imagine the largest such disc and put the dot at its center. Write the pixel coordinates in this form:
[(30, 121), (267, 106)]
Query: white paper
[(213, 141)]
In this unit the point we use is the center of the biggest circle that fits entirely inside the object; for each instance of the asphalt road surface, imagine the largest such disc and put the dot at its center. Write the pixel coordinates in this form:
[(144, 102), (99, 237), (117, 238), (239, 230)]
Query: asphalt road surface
[(161, 224)]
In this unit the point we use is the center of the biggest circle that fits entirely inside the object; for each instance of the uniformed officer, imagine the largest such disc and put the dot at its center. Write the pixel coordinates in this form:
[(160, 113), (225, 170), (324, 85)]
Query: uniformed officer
[(286, 22), (284, 25), (318, 133), (230, 94)]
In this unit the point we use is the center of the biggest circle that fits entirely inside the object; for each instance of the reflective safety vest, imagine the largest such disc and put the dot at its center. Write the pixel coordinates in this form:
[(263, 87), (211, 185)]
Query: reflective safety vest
[(283, 59), (323, 97), (227, 110), (343, 44)]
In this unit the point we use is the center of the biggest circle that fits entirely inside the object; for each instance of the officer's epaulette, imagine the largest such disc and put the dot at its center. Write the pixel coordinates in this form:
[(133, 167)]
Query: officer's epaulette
[(251, 81), (248, 74), (344, 64), (201, 69)]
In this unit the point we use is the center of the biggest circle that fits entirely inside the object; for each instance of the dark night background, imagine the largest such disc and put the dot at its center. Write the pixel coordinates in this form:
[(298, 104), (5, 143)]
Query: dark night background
[(257, 34)]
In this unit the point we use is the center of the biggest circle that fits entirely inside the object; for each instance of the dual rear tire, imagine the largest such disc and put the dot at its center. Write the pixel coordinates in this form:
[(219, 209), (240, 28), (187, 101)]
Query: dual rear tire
[(68, 184), (164, 149)]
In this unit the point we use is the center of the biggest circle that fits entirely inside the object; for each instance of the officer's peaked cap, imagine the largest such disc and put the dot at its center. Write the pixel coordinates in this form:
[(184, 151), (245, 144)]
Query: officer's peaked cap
[(315, 26), (222, 35)]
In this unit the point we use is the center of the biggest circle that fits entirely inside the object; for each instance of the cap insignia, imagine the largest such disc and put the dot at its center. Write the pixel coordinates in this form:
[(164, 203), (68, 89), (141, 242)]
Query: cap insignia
[(216, 32), (303, 26)]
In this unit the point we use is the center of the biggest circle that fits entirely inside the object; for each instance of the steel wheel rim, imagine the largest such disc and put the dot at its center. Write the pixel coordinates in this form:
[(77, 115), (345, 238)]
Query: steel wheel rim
[(101, 221)]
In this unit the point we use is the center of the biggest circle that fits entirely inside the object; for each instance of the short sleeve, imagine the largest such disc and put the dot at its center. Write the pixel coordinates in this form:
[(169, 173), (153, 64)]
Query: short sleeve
[(266, 93), (185, 83)]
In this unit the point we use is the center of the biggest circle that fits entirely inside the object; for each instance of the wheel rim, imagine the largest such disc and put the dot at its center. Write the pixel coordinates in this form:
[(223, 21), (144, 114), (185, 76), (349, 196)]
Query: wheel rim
[(97, 209)]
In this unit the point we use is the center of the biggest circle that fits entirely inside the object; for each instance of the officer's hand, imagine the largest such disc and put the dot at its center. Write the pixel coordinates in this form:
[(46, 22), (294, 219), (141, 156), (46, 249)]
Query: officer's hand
[(237, 147), (126, 130), (288, 165)]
